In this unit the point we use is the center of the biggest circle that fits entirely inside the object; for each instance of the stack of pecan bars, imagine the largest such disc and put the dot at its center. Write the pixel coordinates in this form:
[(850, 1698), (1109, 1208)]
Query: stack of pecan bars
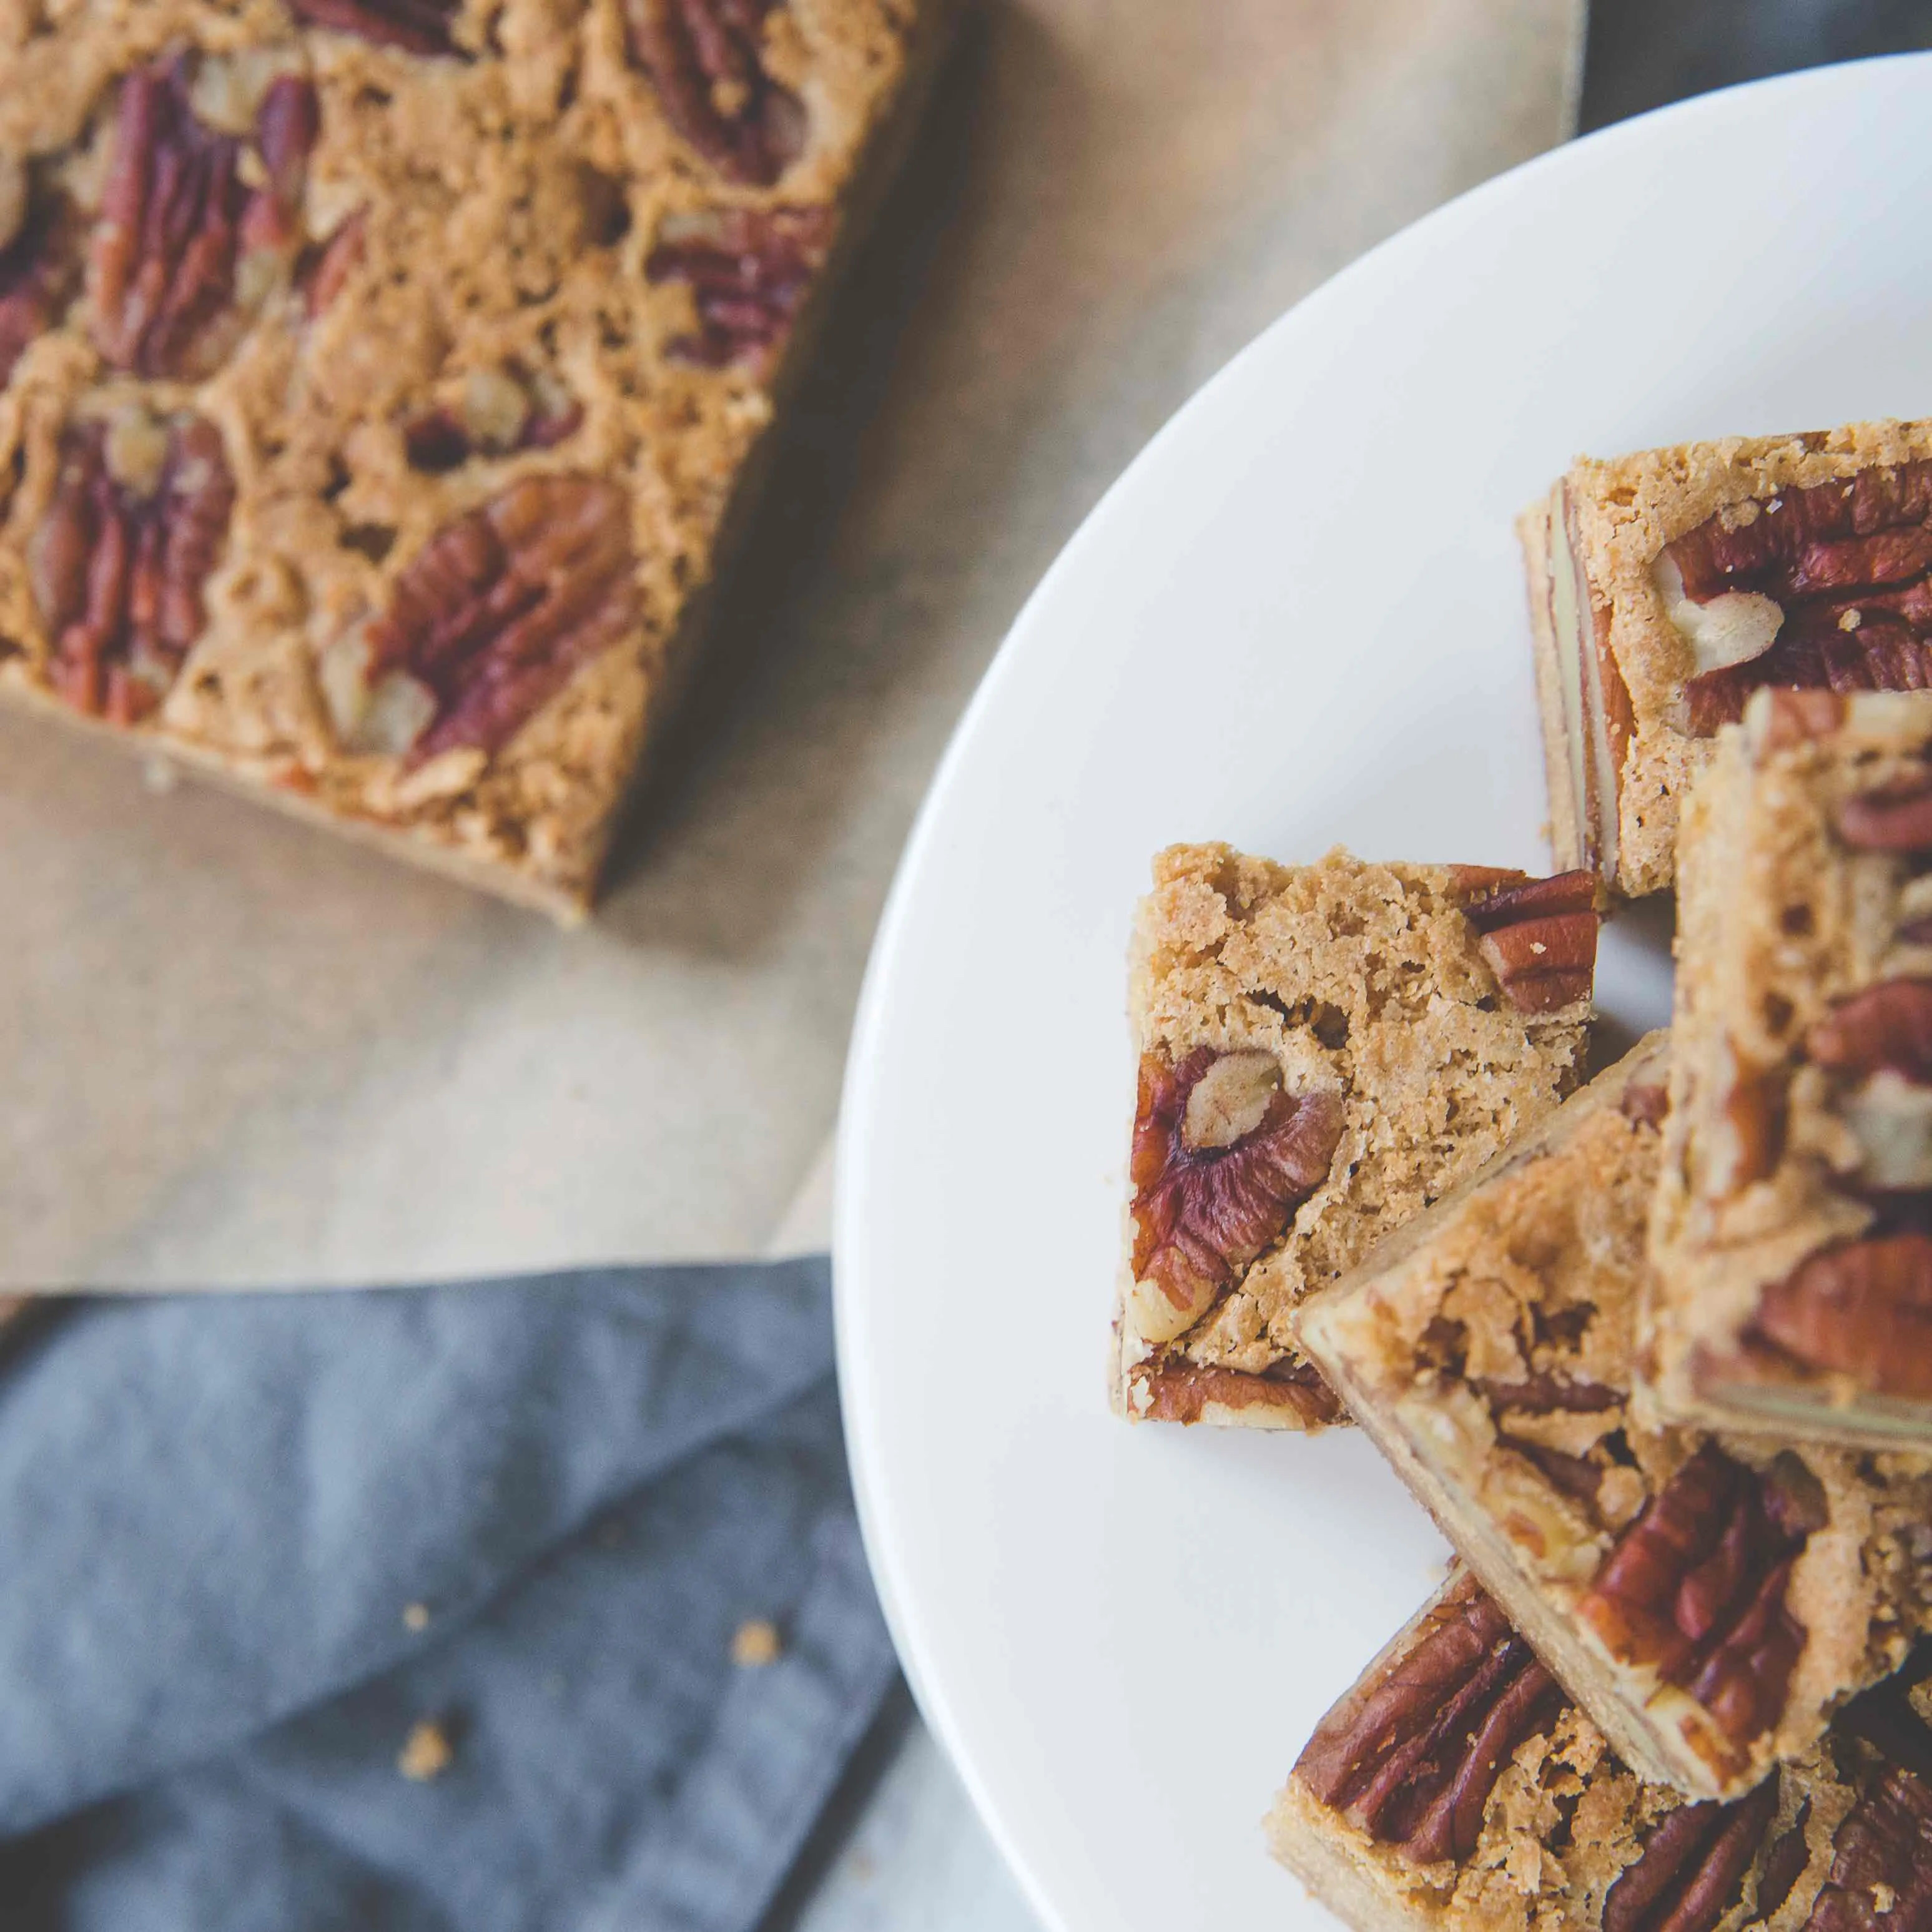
[(1654, 1351), (379, 379)]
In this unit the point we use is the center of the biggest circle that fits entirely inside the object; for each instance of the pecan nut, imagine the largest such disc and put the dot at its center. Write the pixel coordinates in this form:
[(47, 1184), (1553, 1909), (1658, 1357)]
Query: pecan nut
[(1696, 1587), (1863, 1309), (1745, 1143), (1413, 1762), (501, 413), (1691, 1870), (1886, 1028), (1539, 939), (1881, 1877), (414, 26), (1215, 1182), (1181, 1391), (323, 269), (1846, 566), (705, 62), (185, 252), (749, 271), (137, 521), (39, 267), (491, 618), (1897, 819)]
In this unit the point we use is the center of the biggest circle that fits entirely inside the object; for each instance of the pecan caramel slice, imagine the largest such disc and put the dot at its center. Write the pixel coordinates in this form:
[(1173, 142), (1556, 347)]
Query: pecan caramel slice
[(1840, 567), (185, 252), (705, 62), (490, 620), (1863, 1309), (1222, 1156), (137, 521), (1691, 1870), (412, 26), (1413, 1762), (1696, 1587), (1539, 936), (749, 271), (39, 267)]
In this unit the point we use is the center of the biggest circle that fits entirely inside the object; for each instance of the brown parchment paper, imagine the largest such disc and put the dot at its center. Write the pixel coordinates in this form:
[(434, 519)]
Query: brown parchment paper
[(235, 1052)]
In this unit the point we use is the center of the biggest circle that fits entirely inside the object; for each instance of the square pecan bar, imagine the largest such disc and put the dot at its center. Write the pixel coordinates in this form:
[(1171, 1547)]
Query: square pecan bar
[(1324, 1049), (1708, 1601), (1455, 1788), (1793, 1238), (1665, 587), (380, 379)]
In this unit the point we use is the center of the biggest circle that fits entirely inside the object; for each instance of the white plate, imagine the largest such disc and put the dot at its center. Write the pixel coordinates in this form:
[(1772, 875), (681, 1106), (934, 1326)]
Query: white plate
[(1298, 618)]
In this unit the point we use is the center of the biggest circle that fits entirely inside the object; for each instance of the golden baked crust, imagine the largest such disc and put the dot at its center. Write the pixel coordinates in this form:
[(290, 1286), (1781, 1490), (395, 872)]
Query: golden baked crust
[(1563, 1822), (1622, 512), (1365, 981), (1489, 1349), (501, 284), (1770, 1154)]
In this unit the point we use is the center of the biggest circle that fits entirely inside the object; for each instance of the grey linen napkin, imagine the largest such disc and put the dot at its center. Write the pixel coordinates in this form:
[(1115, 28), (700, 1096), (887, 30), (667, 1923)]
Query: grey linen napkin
[(254, 1542)]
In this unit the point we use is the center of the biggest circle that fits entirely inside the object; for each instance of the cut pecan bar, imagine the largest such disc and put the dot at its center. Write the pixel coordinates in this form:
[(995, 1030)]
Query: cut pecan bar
[(1665, 586), (1455, 1788), (1323, 1050), (1792, 1240), (1709, 1600), (383, 382)]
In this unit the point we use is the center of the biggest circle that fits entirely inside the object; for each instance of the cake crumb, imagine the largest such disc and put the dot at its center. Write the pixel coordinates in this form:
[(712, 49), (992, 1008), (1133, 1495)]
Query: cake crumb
[(755, 1644), (415, 1616), (426, 1754)]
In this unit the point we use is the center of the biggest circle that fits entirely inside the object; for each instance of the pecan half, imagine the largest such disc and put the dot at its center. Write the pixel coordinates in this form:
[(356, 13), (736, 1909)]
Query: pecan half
[(119, 560), (1746, 1142), (1797, 717), (1863, 1309), (1539, 939), (324, 269), (1881, 1878), (1691, 1870), (1898, 819), (1886, 1026), (1846, 563), (179, 224), (493, 617), (415, 26), (1413, 1762), (1696, 1587), (1181, 1391), (39, 267), (1545, 1393), (705, 61), (1204, 1206), (749, 271)]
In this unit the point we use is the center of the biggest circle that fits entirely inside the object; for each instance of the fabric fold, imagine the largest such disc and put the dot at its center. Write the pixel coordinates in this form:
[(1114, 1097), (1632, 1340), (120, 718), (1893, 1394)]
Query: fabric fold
[(231, 1504)]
